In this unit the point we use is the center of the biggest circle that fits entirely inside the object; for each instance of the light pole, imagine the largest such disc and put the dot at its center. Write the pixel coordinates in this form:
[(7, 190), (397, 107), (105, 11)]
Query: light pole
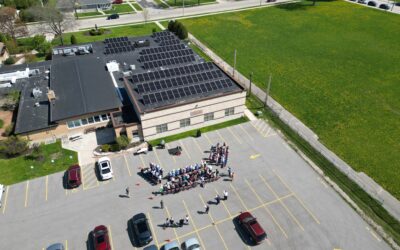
[(183, 7), (251, 75), (267, 94), (234, 64)]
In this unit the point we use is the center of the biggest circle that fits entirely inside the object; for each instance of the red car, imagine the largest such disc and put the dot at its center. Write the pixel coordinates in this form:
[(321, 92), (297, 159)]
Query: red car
[(74, 176), (101, 241), (117, 1), (251, 226)]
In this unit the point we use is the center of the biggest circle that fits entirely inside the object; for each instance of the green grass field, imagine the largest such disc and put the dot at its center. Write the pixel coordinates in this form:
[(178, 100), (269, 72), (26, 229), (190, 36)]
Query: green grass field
[(89, 14), (137, 6), (161, 4), (179, 3), (119, 8), (131, 30), (19, 169), (333, 66)]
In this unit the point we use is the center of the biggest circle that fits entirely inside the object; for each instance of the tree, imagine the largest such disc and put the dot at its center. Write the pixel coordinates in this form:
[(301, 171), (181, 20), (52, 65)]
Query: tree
[(122, 141), (13, 146), (171, 25), (54, 19), (10, 24), (73, 39), (181, 31)]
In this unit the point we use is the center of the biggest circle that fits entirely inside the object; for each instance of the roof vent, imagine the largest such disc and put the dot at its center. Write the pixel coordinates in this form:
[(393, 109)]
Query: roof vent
[(51, 95), (36, 92), (37, 104)]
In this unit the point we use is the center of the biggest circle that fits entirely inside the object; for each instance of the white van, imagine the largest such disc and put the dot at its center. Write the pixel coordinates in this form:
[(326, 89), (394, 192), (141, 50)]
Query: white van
[(2, 189)]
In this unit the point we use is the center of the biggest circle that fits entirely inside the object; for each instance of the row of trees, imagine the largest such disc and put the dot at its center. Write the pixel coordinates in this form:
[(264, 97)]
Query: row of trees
[(178, 28)]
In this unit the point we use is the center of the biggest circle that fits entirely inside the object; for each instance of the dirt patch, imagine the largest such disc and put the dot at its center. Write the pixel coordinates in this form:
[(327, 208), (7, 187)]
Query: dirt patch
[(6, 116)]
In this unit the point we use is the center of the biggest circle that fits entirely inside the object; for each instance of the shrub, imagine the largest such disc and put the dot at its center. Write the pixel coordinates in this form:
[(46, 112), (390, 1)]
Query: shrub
[(198, 134), (3, 38), (1, 123), (96, 32), (172, 25), (30, 58), (13, 146), (115, 147), (73, 39), (154, 30), (8, 130), (181, 31), (9, 61), (27, 16), (37, 41), (123, 141), (105, 147)]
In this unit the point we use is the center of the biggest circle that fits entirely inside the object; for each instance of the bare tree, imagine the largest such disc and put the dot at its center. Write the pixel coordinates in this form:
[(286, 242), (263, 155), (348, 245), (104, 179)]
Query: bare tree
[(145, 13), (10, 23), (54, 19)]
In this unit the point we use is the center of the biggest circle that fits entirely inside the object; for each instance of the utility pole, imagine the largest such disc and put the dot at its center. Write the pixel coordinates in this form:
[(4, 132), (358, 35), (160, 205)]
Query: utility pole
[(251, 75), (234, 64), (183, 7), (267, 94)]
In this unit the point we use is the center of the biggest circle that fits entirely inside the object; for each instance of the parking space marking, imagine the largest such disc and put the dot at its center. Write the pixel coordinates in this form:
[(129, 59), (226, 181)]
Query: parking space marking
[(208, 139), (158, 159), (240, 126), (266, 208), (220, 136), (197, 145), (213, 222), (111, 240), (297, 198), (237, 194), (66, 244), (173, 156), (176, 234), (26, 193), (89, 178), (152, 229), (373, 234), (184, 149), (223, 203), (282, 203), (322, 182), (127, 165), (47, 184), (234, 136), (194, 225), (5, 199)]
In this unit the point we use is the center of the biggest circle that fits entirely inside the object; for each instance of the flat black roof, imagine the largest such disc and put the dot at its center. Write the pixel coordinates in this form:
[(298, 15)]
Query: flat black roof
[(33, 112), (81, 85)]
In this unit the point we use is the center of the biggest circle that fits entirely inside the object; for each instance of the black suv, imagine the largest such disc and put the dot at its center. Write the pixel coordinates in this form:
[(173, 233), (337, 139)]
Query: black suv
[(140, 229), (113, 16)]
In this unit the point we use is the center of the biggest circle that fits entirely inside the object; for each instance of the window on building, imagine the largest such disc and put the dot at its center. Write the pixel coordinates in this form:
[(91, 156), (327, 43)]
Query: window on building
[(97, 118), (91, 120), (185, 122), (229, 111), (84, 121), (208, 117), (161, 128), (70, 124), (77, 123), (88, 120), (104, 117)]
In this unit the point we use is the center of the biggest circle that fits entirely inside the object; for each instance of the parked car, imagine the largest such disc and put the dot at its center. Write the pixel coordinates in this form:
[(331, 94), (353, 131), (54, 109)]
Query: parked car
[(100, 238), (105, 169), (191, 244), (371, 3), (56, 246), (2, 189), (117, 1), (171, 246), (113, 16), (151, 247), (251, 226), (384, 6), (74, 176), (362, 1), (141, 229)]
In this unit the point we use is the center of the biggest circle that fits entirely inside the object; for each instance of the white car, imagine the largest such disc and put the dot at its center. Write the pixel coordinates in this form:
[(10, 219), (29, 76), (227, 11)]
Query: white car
[(2, 189), (191, 244), (105, 169)]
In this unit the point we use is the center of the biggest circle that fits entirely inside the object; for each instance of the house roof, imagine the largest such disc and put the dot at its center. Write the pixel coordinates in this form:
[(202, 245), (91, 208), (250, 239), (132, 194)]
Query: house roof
[(91, 2), (81, 85)]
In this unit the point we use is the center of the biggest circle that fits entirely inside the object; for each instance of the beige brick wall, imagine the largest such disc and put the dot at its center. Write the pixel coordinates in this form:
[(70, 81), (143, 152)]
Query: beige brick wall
[(196, 112)]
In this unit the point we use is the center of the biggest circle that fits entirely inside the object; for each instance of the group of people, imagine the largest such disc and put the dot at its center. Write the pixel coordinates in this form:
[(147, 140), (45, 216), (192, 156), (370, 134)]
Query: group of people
[(189, 176), (169, 222), (154, 173), (219, 154)]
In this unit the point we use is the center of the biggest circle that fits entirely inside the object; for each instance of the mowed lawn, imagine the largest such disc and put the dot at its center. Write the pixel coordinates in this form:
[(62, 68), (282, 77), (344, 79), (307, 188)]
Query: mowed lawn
[(334, 65)]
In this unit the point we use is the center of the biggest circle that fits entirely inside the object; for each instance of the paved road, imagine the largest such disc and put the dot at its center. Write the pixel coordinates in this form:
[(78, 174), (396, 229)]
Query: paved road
[(295, 207)]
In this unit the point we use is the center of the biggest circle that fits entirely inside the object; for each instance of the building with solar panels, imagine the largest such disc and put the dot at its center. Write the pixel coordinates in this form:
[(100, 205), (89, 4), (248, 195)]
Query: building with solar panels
[(141, 87)]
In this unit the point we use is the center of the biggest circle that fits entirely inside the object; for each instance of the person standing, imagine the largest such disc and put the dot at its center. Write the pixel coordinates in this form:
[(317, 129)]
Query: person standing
[(187, 220), (217, 198), (225, 195), (229, 171), (161, 204), (207, 208), (127, 192), (232, 175)]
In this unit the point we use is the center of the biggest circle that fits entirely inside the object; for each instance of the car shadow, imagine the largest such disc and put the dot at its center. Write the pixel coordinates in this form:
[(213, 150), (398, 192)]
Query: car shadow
[(89, 242)]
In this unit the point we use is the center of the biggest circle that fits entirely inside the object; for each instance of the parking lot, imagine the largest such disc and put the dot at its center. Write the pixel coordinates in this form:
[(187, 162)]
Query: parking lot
[(295, 207)]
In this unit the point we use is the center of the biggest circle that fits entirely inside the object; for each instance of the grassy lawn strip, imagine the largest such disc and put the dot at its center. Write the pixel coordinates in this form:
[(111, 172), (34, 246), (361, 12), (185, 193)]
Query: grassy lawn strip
[(1, 123), (161, 4), (119, 8), (137, 6), (19, 169), (89, 14), (131, 30), (193, 132), (200, 52), (323, 62), (368, 204), (179, 3)]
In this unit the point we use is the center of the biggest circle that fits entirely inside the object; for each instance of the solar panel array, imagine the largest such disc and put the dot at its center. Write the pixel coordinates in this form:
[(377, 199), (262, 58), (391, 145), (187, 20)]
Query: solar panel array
[(118, 45), (166, 38), (181, 82)]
